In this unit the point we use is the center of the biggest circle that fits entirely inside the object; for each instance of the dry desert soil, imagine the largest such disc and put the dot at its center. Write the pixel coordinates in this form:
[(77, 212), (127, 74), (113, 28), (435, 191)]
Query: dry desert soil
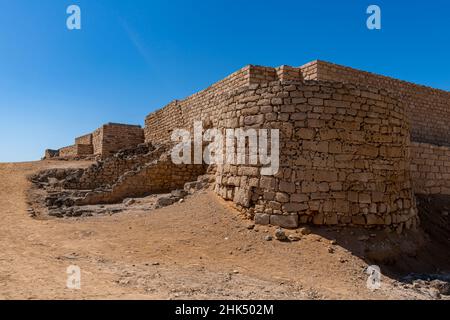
[(201, 248)]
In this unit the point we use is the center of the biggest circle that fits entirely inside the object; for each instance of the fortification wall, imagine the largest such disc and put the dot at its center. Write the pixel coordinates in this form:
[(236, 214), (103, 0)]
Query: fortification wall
[(117, 136), (344, 148), (86, 139), (345, 151), (343, 157), (430, 168), (204, 104), (420, 100), (69, 151), (75, 150)]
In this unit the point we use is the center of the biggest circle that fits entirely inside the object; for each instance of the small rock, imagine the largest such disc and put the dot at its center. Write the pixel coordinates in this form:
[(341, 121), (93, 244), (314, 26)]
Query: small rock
[(280, 235), (363, 238), (155, 264), (294, 237), (445, 213), (129, 202), (235, 271), (179, 193), (373, 235), (305, 231), (333, 242), (268, 238), (181, 201), (251, 226), (330, 250), (165, 201)]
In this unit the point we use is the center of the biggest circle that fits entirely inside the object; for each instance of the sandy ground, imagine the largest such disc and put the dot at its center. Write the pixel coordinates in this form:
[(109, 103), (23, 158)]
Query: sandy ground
[(198, 249)]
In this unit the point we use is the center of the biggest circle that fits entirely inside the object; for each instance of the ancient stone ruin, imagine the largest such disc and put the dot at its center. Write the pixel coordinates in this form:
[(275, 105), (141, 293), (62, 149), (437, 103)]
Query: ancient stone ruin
[(103, 142), (355, 148)]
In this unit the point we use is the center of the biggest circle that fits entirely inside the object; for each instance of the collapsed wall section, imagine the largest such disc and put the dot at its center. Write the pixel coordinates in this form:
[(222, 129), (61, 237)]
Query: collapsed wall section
[(159, 176)]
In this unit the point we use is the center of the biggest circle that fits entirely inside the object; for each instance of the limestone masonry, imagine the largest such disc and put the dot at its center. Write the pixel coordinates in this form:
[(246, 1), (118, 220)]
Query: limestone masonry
[(346, 156)]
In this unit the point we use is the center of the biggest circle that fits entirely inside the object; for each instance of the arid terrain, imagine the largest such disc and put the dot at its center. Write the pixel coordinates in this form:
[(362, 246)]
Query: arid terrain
[(202, 248)]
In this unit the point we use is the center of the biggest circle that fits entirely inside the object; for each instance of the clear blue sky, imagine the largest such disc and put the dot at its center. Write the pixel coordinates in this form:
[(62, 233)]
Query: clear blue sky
[(134, 56)]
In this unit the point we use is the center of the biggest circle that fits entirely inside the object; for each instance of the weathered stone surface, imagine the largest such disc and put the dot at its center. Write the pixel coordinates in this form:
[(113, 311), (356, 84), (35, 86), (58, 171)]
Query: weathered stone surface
[(280, 235), (262, 218), (284, 221)]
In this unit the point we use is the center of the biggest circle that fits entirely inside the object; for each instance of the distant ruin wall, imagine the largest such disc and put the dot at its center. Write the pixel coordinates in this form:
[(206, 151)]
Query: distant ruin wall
[(75, 150), (428, 108), (116, 137), (105, 141), (86, 139), (430, 169)]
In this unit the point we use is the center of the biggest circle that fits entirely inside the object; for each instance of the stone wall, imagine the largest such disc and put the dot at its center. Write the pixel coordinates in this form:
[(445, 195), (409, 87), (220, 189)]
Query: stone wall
[(66, 152), (105, 141), (86, 139), (430, 168), (420, 100), (202, 105), (116, 136), (345, 151), (50, 153), (75, 150), (344, 156)]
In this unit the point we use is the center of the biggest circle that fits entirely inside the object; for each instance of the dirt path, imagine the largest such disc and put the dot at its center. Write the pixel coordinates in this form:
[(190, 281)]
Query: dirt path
[(199, 249)]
